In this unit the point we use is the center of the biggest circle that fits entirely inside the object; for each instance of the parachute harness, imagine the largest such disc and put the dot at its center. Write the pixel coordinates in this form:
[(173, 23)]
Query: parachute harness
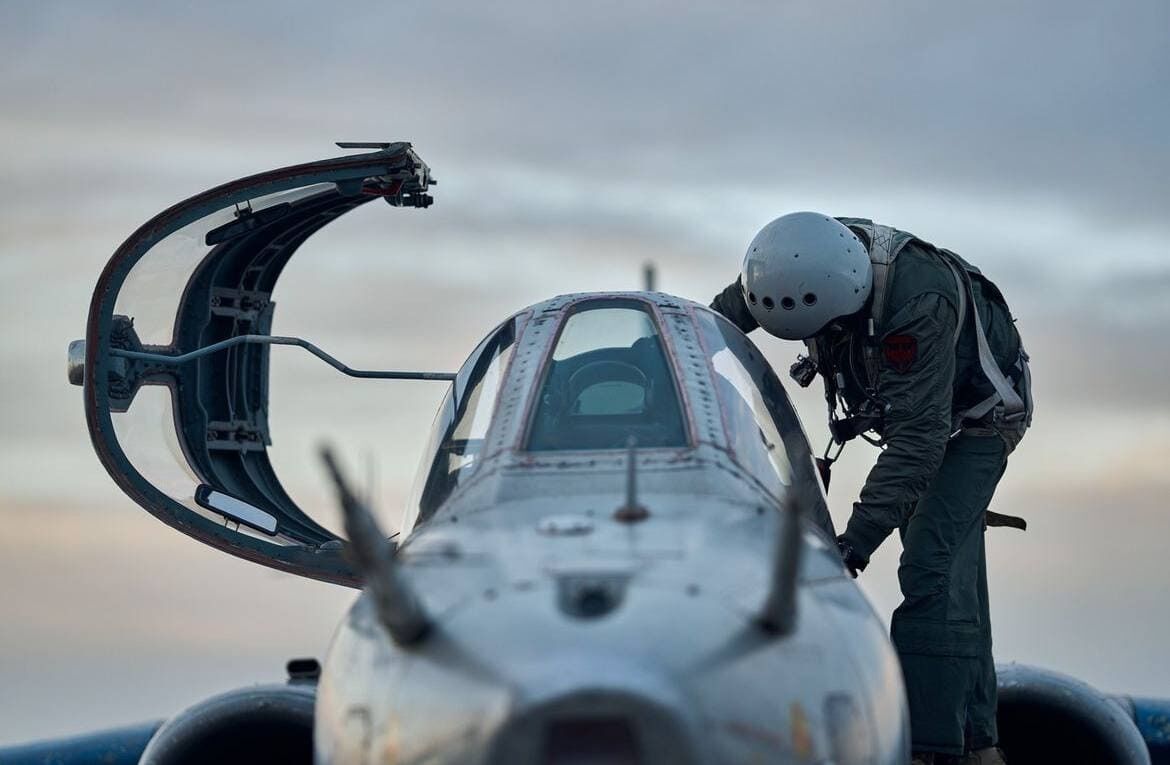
[(1004, 404)]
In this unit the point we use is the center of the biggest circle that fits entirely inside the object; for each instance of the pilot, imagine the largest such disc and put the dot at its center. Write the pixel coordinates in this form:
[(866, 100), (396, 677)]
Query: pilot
[(919, 354)]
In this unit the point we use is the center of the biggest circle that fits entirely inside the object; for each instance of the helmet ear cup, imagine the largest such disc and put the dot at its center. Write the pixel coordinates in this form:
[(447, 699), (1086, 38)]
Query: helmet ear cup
[(802, 271)]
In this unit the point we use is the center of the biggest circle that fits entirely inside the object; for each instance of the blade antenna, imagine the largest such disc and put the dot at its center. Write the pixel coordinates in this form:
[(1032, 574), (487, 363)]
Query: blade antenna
[(649, 276), (779, 613), (398, 607), (631, 511)]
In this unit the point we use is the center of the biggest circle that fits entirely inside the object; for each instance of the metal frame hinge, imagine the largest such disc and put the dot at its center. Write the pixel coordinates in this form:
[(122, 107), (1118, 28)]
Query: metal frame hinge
[(237, 435), (246, 305)]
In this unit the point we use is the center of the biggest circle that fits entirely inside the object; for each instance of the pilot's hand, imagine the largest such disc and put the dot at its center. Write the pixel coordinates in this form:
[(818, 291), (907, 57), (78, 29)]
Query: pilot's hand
[(853, 561)]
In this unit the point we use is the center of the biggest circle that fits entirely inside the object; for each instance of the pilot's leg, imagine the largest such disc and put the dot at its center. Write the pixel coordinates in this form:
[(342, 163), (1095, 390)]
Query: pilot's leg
[(941, 630), (981, 729)]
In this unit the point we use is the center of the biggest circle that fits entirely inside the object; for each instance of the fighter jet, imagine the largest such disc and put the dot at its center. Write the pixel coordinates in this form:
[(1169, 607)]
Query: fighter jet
[(619, 549)]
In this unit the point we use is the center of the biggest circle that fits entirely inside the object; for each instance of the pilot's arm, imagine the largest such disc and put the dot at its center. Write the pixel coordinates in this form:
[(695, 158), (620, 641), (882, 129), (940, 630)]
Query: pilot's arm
[(730, 304), (916, 380)]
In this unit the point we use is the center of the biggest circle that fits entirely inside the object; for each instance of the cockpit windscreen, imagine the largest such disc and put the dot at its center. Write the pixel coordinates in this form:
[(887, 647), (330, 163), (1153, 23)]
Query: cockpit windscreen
[(608, 379), (457, 437)]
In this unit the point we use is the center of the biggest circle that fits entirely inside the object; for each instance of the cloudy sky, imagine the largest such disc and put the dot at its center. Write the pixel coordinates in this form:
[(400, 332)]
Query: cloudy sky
[(573, 143)]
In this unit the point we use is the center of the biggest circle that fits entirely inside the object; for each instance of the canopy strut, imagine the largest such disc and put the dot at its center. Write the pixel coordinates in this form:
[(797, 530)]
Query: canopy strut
[(182, 358)]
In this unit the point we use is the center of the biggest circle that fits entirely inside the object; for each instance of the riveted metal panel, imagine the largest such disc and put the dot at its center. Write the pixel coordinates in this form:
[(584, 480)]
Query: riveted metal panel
[(531, 345), (691, 362), (507, 400)]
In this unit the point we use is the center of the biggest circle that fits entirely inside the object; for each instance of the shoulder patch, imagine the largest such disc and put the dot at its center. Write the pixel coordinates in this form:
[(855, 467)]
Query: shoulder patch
[(900, 351)]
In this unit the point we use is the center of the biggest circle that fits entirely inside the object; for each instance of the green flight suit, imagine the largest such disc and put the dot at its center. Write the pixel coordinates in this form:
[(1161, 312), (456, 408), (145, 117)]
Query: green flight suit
[(931, 486)]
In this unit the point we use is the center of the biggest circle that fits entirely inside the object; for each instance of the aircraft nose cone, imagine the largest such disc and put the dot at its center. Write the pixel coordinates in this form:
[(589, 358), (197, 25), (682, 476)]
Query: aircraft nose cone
[(597, 725), (597, 708)]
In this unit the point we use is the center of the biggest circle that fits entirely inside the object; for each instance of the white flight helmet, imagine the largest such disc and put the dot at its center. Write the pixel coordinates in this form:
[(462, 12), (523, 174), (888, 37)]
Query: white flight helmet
[(802, 271)]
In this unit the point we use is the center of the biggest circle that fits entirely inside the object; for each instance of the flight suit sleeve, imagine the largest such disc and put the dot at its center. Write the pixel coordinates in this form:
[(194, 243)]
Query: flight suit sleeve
[(730, 304), (916, 382)]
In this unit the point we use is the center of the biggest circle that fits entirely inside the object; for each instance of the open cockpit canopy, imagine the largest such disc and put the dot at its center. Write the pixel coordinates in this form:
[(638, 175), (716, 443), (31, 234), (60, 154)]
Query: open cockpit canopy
[(178, 335)]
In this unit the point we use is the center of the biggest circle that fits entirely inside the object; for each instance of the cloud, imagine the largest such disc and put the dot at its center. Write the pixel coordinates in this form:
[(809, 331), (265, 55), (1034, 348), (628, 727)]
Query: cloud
[(165, 622), (572, 144), (1048, 100)]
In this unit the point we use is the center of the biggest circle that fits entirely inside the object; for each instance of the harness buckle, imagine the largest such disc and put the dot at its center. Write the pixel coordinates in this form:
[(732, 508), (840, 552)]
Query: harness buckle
[(804, 371), (999, 415)]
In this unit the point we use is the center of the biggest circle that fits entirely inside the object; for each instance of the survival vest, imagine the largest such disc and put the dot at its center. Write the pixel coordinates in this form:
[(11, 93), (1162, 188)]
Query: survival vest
[(1006, 404)]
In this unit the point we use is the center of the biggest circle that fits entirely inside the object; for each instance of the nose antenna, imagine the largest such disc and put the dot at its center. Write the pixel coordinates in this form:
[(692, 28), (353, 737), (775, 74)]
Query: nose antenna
[(778, 616), (398, 607), (631, 511), (649, 276)]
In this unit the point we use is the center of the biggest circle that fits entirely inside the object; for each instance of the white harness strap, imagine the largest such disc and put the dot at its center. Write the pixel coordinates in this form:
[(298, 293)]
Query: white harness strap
[(882, 255), (1014, 407)]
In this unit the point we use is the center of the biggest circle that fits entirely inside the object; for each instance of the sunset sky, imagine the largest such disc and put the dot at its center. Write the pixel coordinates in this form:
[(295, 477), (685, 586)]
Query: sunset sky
[(573, 143)]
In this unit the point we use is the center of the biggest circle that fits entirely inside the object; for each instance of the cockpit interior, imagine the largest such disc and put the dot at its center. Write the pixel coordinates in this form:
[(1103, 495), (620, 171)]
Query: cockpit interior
[(607, 381)]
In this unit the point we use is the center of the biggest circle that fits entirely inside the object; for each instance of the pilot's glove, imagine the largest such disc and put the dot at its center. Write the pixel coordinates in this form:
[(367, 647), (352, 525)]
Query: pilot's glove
[(853, 560)]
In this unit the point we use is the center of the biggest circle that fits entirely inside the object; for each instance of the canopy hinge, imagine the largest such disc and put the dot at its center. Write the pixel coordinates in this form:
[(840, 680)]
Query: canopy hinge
[(237, 436), (246, 305), (124, 375)]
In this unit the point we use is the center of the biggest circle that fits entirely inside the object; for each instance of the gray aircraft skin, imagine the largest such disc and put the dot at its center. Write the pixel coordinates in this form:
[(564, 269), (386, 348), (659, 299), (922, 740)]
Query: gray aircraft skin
[(618, 549), (564, 613)]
